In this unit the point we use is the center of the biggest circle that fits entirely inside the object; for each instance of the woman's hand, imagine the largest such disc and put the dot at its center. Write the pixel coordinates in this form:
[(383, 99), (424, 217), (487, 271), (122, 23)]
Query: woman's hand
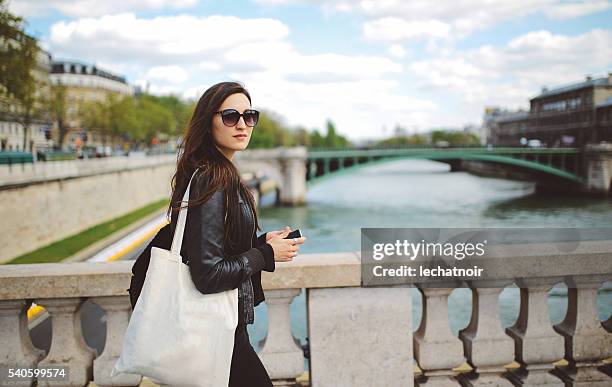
[(274, 234), (285, 249)]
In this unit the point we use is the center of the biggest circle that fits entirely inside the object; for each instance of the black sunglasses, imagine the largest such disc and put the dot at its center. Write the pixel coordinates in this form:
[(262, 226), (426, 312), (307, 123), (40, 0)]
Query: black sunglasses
[(230, 117)]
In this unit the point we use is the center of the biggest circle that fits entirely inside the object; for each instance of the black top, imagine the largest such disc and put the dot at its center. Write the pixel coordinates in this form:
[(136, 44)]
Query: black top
[(213, 267)]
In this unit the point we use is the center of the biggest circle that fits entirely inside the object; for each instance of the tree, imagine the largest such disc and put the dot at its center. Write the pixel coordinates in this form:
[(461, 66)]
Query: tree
[(270, 132), (333, 140), (302, 137), (113, 117), (316, 140), (454, 137), (152, 118), (412, 140), (180, 111), (58, 106), (16, 54), (23, 95)]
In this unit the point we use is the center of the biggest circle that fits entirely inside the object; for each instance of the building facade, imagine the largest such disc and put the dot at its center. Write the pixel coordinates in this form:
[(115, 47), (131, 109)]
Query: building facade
[(569, 116), (84, 83), (513, 122), (11, 123)]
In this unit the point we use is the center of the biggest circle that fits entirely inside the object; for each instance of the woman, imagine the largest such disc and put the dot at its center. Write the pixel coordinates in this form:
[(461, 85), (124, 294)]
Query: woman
[(220, 244)]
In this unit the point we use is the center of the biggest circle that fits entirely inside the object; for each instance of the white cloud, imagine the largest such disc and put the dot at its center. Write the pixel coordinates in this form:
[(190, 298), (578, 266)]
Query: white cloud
[(511, 74), (208, 66), (170, 74), (91, 8), (161, 39), (239, 46), (155, 88), (172, 54), (397, 50), (576, 9), (361, 93), (358, 108), (395, 20), (395, 29)]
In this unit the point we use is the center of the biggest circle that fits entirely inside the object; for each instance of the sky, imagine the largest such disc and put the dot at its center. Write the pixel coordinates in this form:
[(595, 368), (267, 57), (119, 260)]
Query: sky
[(368, 66)]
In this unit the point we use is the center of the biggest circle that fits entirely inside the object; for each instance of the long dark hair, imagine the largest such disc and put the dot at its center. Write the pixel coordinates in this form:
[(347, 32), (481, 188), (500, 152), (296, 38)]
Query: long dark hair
[(198, 150)]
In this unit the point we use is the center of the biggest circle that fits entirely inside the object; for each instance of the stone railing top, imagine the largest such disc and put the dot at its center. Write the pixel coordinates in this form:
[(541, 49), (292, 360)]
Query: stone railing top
[(533, 264), (299, 152), (19, 174), (323, 270), (92, 279), (589, 261), (61, 280)]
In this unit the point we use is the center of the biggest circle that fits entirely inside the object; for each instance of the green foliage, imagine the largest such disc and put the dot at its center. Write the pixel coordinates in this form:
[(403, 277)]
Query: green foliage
[(454, 137), (58, 107), (316, 140), (333, 140), (152, 117), (270, 132), (17, 57), (179, 110), (113, 117), (22, 96), (412, 140), (302, 136), (135, 118)]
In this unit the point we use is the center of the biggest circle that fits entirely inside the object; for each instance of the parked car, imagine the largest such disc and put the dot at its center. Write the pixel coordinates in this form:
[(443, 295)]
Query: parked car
[(535, 143), (104, 151)]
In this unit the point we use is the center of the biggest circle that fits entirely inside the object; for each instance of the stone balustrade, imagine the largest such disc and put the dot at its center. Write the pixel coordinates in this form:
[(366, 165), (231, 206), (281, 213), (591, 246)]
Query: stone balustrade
[(358, 336)]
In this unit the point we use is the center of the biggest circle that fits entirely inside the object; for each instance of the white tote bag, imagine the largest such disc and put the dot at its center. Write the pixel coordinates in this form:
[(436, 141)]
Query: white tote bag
[(177, 335)]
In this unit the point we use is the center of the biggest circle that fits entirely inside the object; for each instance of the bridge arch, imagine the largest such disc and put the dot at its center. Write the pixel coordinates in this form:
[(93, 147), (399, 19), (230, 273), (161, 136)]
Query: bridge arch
[(322, 163)]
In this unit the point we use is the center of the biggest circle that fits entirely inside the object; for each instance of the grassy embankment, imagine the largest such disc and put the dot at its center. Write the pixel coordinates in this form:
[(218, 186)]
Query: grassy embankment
[(60, 250)]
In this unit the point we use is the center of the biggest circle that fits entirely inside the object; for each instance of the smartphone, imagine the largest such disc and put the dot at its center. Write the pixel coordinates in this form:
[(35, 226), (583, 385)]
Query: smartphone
[(294, 234)]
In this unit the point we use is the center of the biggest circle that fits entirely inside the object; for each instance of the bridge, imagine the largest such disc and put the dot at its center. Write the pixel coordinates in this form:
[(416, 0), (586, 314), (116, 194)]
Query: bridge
[(586, 170), (563, 163), (356, 336)]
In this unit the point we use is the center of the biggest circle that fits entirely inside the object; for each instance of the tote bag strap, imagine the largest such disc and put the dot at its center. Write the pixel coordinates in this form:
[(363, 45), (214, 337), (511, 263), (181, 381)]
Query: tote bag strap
[(177, 240)]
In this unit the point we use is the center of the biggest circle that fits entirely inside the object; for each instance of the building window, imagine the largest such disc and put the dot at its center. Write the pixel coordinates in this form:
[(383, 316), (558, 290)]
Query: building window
[(574, 103), (568, 104)]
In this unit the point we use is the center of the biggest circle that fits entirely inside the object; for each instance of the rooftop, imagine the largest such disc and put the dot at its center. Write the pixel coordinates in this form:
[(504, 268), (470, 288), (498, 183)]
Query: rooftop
[(588, 82), (73, 67), (513, 116)]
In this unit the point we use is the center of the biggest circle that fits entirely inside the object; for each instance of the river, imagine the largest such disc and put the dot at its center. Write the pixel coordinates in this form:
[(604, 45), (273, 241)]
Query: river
[(421, 193)]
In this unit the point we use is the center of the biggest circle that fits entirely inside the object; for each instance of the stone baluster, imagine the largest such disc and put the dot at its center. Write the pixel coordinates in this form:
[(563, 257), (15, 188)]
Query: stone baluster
[(282, 357), (117, 311), (360, 336), (486, 346), (536, 344), (68, 347), (587, 343), (434, 338), (16, 349)]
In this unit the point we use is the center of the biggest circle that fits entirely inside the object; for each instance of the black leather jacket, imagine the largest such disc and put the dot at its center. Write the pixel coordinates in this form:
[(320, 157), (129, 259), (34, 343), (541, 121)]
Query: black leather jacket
[(214, 268)]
